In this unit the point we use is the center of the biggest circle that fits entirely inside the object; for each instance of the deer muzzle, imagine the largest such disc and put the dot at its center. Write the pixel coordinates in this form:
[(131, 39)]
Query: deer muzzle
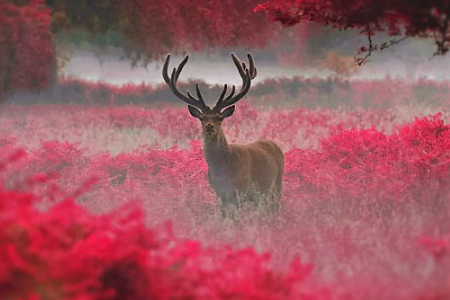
[(209, 128)]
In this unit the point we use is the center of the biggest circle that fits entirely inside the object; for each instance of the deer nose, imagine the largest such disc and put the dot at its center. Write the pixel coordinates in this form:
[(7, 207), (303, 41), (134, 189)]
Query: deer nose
[(209, 127)]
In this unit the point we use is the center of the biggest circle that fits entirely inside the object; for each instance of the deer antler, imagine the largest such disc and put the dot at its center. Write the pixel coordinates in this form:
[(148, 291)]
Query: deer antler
[(247, 74), (172, 83)]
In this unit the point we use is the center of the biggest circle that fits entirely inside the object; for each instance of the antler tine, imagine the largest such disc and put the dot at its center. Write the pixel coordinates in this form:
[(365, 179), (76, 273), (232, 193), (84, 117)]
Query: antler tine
[(172, 83), (200, 98), (199, 95), (165, 68), (233, 89), (252, 67), (238, 64), (247, 74), (173, 88), (244, 90), (222, 95), (221, 98), (180, 67)]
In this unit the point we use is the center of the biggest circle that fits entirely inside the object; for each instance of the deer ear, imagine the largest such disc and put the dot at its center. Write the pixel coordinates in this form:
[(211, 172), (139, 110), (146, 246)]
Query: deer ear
[(228, 112), (194, 112)]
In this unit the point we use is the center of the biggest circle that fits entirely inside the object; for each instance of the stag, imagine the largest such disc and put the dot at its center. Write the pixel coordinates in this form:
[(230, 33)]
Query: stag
[(239, 174)]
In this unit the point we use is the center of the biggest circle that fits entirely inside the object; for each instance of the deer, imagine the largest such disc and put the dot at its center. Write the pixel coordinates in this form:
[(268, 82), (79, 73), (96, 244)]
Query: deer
[(238, 174)]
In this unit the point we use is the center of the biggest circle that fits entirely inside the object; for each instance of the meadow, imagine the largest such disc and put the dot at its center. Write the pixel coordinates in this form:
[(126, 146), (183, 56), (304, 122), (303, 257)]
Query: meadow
[(118, 195)]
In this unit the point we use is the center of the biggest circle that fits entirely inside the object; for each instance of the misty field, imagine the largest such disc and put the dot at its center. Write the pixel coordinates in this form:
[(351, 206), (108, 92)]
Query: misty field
[(365, 202)]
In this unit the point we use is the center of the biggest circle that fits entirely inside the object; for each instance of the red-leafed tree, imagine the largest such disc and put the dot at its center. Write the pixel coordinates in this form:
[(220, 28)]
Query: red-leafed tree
[(146, 29), (151, 29), (26, 47), (401, 18), (181, 25)]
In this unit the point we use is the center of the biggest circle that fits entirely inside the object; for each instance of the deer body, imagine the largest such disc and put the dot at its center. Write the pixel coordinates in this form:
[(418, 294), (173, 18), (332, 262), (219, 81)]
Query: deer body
[(242, 174), (239, 174)]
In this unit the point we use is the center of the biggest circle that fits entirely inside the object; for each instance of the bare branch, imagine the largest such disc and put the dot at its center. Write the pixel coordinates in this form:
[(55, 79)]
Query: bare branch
[(374, 47)]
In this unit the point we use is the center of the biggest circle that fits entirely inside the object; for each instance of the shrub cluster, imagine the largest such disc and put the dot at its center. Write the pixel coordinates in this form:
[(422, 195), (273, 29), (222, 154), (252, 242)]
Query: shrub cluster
[(66, 252)]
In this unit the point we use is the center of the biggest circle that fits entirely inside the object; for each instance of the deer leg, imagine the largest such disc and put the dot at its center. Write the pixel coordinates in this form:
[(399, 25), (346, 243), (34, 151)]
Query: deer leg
[(229, 205), (222, 204), (276, 195)]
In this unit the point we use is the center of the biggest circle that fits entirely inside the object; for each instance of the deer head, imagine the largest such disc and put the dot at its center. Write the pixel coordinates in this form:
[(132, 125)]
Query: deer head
[(211, 118)]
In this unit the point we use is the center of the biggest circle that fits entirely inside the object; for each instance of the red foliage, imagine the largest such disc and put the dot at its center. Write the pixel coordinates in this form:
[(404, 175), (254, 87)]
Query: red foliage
[(438, 248), (67, 253), (410, 165), (26, 47), (194, 25), (395, 17)]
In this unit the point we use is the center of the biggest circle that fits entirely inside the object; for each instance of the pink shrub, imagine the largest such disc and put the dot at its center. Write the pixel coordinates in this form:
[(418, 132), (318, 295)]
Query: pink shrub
[(67, 253), (405, 166)]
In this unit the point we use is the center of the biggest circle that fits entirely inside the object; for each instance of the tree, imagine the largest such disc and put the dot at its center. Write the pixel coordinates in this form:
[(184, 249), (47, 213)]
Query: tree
[(26, 47), (406, 18), (151, 29), (146, 29)]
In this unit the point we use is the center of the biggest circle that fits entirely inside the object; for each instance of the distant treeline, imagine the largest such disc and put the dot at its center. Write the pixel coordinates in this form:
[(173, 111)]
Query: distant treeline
[(296, 91)]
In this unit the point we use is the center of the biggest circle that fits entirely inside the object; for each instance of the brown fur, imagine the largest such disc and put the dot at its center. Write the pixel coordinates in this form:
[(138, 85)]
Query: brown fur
[(242, 174)]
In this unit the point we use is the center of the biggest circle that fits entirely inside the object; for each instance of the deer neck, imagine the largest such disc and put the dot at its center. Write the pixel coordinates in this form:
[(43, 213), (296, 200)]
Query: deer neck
[(217, 151)]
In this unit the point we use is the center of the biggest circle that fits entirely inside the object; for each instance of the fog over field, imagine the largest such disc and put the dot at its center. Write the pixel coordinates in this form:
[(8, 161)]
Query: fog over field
[(397, 62)]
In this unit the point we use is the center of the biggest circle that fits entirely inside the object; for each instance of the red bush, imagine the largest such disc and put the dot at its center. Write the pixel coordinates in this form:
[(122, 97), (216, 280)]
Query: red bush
[(67, 253)]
